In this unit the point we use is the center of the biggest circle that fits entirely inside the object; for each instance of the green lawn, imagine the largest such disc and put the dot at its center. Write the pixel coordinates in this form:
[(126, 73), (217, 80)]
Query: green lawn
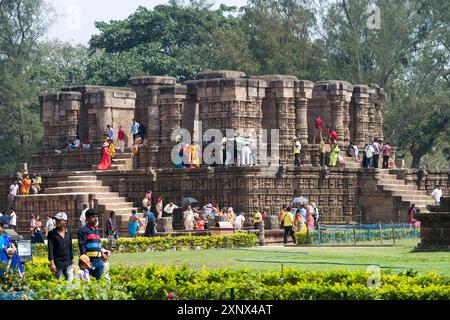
[(302, 258)]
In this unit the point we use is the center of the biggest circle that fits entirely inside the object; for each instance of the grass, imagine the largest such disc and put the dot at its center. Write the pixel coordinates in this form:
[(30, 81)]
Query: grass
[(301, 258)]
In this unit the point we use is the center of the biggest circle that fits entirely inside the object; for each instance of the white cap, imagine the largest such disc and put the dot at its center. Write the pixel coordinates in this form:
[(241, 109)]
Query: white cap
[(61, 216)]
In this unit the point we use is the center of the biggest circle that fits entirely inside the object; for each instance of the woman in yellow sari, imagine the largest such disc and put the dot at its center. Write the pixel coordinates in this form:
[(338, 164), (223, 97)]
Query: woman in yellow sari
[(112, 150), (334, 155), (26, 184)]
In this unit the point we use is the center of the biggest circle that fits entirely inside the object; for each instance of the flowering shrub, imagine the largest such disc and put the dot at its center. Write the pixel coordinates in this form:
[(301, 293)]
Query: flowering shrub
[(181, 282)]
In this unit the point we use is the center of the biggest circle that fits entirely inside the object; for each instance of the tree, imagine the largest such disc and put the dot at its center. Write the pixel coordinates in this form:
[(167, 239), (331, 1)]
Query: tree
[(21, 25), (171, 40), (278, 34)]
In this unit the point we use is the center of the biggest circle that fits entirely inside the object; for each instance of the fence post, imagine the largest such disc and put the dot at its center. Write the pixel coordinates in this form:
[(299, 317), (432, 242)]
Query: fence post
[(262, 240), (393, 232), (354, 235), (381, 233), (318, 229)]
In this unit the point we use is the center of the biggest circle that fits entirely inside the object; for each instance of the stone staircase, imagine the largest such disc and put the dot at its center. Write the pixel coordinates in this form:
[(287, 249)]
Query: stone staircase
[(350, 162), (121, 161), (86, 183), (408, 194)]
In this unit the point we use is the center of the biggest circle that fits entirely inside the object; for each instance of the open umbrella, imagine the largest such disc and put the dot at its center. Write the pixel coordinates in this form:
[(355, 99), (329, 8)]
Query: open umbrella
[(300, 200), (187, 201)]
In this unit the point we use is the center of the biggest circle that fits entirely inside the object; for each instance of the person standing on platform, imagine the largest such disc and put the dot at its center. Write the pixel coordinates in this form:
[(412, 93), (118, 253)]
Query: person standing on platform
[(110, 132), (257, 219), (288, 222), (135, 130), (296, 150), (387, 152), (376, 152), (121, 139), (437, 194), (318, 128), (105, 162), (150, 227)]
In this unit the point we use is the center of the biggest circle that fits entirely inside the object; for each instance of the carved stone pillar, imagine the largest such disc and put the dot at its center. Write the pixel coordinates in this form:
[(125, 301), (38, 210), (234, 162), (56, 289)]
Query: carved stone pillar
[(171, 105), (376, 99), (303, 93), (338, 95), (360, 114)]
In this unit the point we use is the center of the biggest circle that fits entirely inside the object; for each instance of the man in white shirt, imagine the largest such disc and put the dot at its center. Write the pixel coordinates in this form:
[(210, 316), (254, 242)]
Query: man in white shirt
[(437, 194), (83, 215), (376, 153), (239, 222), (50, 225), (12, 219), (369, 155), (169, 208), (13, 191)]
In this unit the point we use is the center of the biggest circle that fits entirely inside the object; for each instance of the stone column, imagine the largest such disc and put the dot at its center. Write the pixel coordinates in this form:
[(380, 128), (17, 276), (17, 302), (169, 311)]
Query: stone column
[(338, 95), (282, 91), (376, 98), (171, 105), (303, 93), (360, 114)]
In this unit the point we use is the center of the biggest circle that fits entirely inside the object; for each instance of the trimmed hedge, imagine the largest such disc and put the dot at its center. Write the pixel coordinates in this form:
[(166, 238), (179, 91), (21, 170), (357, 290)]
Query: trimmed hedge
[(146, 244), (181, 282)]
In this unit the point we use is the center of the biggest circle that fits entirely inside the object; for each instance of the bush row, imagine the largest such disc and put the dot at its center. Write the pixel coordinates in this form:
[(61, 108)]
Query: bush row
[(145, 244), (181, 282)]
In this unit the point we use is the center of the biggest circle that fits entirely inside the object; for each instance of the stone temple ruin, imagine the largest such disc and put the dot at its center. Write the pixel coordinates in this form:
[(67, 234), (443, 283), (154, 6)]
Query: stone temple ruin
[(218, 100)]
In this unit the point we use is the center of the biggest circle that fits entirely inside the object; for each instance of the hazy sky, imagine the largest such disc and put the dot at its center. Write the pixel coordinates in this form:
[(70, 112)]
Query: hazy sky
[(75, 18)]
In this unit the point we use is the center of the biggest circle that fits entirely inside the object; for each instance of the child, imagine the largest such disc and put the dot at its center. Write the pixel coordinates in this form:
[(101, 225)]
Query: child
[(85, 264), (200, 224), (105, 257)]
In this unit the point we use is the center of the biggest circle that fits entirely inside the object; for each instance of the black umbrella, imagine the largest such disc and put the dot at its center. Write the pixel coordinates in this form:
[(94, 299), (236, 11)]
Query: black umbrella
[(188, 201)]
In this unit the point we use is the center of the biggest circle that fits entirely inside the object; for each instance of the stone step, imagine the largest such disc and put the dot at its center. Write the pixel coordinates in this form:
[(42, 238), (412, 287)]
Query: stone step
[(396, 184), (76, 190), (417, 201), (80, 183), (386, 176), (106, 195), (81, 178), (390, 178), (126, 155), (113, 167), (122, 212), (123, 161), (404, 189), (412, 196), (82, 173), (118, 205)]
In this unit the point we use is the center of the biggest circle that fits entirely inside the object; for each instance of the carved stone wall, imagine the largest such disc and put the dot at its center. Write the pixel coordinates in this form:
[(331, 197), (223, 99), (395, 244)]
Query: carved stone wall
[(147, 90), (59, 116)]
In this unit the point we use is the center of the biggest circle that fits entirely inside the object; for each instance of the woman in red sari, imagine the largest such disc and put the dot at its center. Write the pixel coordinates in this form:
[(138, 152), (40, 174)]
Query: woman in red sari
[(105, 162)]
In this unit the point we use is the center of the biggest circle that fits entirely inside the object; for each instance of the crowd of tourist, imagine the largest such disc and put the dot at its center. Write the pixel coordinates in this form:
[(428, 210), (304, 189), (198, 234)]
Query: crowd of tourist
[(25, 184)]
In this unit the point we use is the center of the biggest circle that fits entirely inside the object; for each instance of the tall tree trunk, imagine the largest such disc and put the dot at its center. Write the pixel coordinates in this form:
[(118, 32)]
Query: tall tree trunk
[(417, 156)]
